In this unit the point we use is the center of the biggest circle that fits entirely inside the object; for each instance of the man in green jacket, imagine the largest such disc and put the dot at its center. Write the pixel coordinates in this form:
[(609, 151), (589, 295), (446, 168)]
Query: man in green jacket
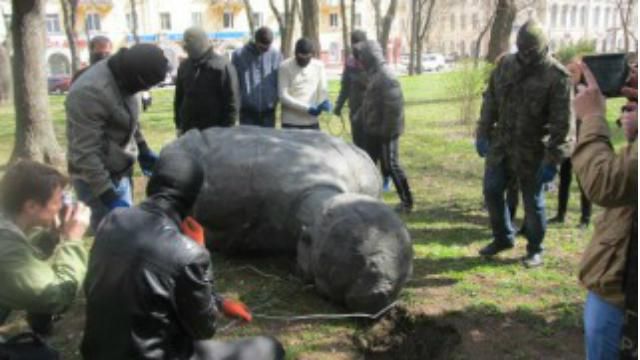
[(42, 258)]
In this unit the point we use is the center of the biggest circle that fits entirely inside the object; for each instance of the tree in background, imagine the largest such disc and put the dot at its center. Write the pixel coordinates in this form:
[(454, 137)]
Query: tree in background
[(422, 24), (5, 61), (345, 30), (34, 135), (626, 9), (134, 21), (311, 23), (383, 24), (250, 20), (286, 24), (69, 19), (569, 53), (504, 17)]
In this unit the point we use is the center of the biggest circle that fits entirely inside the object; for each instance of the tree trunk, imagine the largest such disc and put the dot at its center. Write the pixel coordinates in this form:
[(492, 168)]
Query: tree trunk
[(377, 17), (423, 25), (69, 15), (134, 22), (345, 31), (353, 15), (413, 36), (34, 135), (311, 23), (387, 21), (286, 23), (478, 44), (249, 10), (419, 46), (5, 62), (505, 14)]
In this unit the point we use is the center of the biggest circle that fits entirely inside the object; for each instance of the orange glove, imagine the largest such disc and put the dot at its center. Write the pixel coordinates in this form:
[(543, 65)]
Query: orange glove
[(235, 308), (191, 228)]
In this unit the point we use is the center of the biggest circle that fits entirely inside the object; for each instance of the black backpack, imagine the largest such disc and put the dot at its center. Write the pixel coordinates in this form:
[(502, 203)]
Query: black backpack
[(27, 346)]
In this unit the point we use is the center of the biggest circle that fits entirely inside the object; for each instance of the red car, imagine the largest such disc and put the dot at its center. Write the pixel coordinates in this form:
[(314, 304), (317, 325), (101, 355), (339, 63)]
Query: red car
[(58, 84)]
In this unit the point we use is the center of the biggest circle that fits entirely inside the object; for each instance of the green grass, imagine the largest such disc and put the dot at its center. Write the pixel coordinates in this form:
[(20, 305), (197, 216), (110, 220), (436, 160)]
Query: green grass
[(501, 309)]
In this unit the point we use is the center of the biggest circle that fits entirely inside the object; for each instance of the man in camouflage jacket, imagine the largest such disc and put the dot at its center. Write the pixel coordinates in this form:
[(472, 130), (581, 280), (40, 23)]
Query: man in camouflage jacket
[(524, 132)]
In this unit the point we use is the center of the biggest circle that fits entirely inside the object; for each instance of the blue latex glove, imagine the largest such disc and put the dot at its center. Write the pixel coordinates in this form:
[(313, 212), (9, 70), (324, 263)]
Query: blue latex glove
[(147, 160), (549, 171), (482, 147), (118, 203), (314, 111), (325, 106)]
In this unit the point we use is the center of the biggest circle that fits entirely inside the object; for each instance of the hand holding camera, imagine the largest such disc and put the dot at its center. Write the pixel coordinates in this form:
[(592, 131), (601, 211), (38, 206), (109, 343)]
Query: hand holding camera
[(74, 221)]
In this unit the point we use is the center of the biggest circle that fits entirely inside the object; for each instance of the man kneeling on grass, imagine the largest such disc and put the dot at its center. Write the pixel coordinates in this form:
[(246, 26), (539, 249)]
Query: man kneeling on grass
[(42, 259), (150, 288)]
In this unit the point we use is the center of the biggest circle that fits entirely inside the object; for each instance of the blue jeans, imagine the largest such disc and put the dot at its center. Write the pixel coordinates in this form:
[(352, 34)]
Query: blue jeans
[(123, 188), (602, 328), (495, 186)]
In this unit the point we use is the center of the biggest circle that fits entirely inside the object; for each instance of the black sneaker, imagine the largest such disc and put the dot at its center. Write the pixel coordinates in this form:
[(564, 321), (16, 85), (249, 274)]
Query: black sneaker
[(404, 208), (532, 260), (556, 220), (493, 249)]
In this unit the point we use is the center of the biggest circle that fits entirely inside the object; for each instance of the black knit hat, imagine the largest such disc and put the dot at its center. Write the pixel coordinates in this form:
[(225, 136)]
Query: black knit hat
[(139, 67)]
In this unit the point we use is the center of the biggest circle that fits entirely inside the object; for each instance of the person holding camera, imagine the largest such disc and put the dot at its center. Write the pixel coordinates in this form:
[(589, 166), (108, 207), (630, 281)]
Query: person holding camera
[(42, 257), (609, 180), (524, 132)]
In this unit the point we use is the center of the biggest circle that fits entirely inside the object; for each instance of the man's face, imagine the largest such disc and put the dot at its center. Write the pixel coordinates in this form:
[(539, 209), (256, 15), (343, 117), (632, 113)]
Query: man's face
[(196, 44), (303, 59), (44, 214), (101, 50), (263, 47)]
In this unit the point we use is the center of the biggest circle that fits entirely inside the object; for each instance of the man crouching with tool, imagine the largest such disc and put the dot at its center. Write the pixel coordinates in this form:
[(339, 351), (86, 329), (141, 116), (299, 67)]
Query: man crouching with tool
[(149, 287)]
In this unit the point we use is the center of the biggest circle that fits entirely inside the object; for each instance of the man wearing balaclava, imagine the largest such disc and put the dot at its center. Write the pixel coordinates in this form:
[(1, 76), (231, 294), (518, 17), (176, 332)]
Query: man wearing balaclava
[(382, 118), (257, 64), (206, 86), (103, 132), (149, 283), (100, 48), (302, 86), (525, 130)]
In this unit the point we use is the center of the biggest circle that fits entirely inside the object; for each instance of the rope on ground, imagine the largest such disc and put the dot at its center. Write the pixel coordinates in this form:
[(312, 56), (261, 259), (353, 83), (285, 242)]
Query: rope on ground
[(327, 316)]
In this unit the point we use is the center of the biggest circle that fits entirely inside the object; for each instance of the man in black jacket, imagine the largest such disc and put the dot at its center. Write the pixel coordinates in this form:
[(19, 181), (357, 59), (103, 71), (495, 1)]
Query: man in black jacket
[(206, 86), (382, 117), (149, 287)]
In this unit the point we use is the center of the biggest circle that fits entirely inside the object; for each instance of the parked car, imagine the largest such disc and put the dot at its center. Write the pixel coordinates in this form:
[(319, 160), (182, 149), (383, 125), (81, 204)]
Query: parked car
[(433, 62), (58, 84)]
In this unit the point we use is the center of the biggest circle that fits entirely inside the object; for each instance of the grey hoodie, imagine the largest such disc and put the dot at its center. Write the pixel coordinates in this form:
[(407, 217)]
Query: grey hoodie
[(382, 111)]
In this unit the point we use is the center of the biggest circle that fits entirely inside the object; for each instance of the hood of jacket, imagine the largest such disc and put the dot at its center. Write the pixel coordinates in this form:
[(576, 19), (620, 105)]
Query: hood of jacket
[(370, 55)]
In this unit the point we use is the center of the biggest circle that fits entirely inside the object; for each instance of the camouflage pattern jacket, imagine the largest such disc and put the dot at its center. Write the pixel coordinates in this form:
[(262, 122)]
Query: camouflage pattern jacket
[(527, 115)]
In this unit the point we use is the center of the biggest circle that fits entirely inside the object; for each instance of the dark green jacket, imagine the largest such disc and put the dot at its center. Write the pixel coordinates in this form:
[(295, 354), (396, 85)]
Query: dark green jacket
[(527, 115), (35, 284)]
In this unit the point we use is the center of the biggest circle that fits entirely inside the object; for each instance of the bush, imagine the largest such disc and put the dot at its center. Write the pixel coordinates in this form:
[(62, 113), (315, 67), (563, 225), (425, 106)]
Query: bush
[(466, 84), (568, 53)]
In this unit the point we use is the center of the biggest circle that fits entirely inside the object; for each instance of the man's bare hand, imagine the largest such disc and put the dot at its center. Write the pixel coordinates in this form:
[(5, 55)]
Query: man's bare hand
[(76, 221)]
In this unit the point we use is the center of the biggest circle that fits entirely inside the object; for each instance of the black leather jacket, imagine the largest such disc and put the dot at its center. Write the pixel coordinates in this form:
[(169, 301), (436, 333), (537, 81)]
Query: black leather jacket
[(148, 287)]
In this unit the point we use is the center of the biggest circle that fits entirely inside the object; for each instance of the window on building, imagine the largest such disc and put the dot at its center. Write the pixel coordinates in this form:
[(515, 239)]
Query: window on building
[(529, 14), (165, 21), (92, 22), (358, 21), (463, 48), (607, 15), (333, 20), (554, 15), (227, 20), (574, 16), (452, 21), (596, 17), (129, 20), (53, 24), (452, 47), (258, 19), (463, 22), (583, 16), (565, 16), (475, 23), (196, 18)]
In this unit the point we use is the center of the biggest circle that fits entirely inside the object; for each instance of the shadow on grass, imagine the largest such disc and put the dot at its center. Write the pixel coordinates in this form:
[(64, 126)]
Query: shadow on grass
[(425, 267)]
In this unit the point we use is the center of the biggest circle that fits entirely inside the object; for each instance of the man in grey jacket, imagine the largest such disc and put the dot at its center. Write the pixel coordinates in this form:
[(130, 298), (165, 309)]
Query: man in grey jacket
[(257, 66), (103, 132)]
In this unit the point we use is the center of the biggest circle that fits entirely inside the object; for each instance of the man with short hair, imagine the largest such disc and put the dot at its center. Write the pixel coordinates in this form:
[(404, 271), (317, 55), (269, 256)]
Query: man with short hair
[(100, 48), (206, 87), (303, 88), (42, 257), (257, 65), (149, 288), (525, 130), (103, 130)]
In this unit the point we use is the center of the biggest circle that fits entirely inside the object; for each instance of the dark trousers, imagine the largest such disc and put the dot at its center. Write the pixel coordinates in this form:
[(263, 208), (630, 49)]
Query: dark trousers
[(563, 194), (264, 118), (315, 126), (386, 151), (496, 181)]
